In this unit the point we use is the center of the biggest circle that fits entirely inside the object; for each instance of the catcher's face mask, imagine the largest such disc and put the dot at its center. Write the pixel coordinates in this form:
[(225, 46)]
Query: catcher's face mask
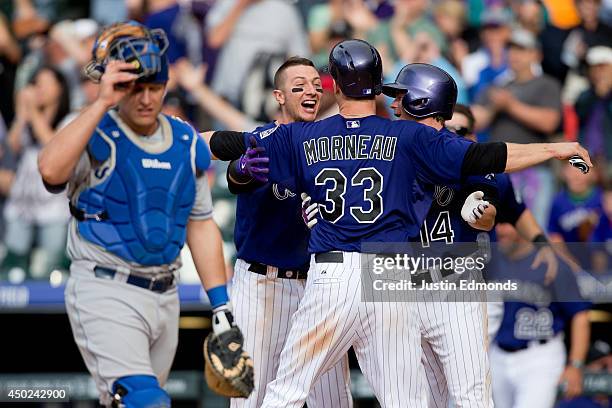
[(132, 43)]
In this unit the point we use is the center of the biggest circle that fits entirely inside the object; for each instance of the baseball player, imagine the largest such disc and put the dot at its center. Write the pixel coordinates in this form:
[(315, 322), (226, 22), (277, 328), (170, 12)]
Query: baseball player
[(528, 355), (370, 174), (137, 192), (427, 94), (272, 244), (509, 208)]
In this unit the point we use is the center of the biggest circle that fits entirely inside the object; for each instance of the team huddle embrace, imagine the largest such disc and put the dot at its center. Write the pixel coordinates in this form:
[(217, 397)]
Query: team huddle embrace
[(354, 183)]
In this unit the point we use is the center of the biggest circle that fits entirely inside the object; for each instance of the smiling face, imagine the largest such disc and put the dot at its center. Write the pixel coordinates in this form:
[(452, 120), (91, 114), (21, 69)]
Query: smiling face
[(140, 107), (299, 93)]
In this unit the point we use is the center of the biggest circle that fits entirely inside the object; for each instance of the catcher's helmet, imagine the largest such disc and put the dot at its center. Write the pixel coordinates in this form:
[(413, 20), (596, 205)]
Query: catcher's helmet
[(133, 43), (357, 68), (429, 91)]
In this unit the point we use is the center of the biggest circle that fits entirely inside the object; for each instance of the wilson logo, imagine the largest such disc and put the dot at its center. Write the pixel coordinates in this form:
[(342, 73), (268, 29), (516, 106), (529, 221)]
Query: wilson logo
[(156, 164)]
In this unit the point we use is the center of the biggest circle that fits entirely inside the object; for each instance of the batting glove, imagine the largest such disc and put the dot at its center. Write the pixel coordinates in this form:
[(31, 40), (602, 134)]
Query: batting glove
[(309, 211), (253, 163), (474, 207)]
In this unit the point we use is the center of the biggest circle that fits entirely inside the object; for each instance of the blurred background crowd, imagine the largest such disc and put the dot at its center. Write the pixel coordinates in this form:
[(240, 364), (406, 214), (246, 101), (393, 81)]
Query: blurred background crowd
[(531, 70)]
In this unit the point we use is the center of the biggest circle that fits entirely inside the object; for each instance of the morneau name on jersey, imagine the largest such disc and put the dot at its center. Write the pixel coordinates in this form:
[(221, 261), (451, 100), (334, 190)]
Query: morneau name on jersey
[(350, 147)]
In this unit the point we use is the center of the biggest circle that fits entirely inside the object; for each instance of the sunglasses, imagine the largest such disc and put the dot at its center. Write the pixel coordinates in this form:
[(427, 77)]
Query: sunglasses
[(460, 130)]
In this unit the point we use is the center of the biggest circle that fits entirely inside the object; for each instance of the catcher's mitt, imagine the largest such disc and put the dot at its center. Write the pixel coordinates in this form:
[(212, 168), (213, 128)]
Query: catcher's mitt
[(228, 369)]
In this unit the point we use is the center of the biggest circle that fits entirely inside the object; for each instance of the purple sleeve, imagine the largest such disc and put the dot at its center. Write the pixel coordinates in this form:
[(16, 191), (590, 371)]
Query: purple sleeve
[(437, 156), (283, 161)]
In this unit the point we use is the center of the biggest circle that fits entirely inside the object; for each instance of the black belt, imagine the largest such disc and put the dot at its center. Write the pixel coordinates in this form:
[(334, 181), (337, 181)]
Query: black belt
[(514, 349), (417, 278), (329, 257), (159, 285), (261, 269)]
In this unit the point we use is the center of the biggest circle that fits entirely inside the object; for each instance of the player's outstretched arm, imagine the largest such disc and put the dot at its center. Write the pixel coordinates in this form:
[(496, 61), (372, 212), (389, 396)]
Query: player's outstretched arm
[(498, 157), (58, 158), (522, 156)]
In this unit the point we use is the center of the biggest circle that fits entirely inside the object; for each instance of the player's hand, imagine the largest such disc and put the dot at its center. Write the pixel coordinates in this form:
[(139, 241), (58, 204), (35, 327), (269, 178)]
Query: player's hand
[(309, 211), (546, 255), (253, 162), (474, 207), (571, 382), (115, 83), (566, 150)]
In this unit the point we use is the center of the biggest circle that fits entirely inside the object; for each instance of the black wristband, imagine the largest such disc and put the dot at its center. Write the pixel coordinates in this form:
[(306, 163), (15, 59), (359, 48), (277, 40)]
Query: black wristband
[(540, 239)]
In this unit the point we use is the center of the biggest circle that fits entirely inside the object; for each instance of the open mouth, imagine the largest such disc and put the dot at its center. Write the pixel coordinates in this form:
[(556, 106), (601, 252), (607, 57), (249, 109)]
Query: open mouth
[(309, 105)]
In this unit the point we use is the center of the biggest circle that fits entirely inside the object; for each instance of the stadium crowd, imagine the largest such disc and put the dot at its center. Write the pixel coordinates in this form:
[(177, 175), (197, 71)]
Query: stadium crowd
[(531, 70)]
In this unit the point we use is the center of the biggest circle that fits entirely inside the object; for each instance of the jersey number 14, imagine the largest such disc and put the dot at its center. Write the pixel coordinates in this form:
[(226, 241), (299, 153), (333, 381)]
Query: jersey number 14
[(442, 230)]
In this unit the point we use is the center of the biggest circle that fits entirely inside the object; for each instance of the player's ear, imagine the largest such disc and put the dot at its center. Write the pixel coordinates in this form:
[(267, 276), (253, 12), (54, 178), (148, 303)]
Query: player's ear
[(279, 96)]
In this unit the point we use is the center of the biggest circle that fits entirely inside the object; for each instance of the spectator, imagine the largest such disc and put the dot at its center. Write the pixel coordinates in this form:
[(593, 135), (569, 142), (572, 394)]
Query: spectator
[(27, 21), (574, 214), (594, 106), (250, 33), (32, 214), (184, 34), (427, 52), (347, 18), (394, 38), (525, 110), (69, 49), (449, 16), (528, 15), (481, 68), (591, 32)]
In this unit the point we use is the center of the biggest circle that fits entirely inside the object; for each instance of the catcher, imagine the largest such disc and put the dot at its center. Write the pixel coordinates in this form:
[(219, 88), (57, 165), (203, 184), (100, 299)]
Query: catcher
[(137, 192)]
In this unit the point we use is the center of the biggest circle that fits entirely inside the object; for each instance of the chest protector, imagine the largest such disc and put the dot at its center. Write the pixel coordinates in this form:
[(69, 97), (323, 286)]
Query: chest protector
[(137, 203)]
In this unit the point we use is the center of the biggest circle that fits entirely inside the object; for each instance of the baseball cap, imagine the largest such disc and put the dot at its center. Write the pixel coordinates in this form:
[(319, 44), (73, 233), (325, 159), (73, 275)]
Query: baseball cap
[(495, 17), (524, 39), (599, 54)]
